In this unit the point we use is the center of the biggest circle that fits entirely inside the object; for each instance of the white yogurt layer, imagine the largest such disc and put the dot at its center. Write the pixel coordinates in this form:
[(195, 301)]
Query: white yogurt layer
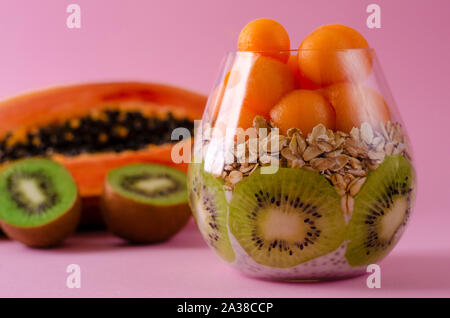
[(329, 266)]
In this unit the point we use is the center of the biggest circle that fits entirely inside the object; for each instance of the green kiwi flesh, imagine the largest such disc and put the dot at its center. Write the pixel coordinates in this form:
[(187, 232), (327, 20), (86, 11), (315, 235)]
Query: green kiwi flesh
[(381, 211), (35, 196), (145, 203), (287, 218), (149, 183), (210, 208)]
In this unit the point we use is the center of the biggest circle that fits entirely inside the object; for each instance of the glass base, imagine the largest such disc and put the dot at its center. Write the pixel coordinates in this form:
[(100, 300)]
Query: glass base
[(305, 280)]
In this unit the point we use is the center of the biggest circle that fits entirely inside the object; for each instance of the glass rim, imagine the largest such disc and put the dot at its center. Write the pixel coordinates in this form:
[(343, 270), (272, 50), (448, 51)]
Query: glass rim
[(369, 49)]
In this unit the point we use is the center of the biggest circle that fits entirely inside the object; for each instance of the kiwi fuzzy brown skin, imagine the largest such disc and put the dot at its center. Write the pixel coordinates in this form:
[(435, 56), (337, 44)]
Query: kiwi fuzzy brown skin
[(91, 216), (139, 222), (48, 235)]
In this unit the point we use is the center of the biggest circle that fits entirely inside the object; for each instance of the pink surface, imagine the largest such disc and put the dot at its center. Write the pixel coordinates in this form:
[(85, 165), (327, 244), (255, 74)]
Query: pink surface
[(186, 267), (182, 43)]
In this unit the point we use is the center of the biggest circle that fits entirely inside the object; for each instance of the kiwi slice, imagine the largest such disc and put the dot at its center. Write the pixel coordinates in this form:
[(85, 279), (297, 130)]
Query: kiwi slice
[(381, 211), (145, 203), (287, 218), (210, 207), (39, 202)]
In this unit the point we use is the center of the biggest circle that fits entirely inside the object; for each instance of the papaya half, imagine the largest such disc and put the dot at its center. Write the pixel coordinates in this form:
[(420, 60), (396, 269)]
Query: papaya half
[(92, 128)]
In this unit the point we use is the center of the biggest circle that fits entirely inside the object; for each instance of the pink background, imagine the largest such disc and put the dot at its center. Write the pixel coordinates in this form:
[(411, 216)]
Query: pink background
[(182, 43)]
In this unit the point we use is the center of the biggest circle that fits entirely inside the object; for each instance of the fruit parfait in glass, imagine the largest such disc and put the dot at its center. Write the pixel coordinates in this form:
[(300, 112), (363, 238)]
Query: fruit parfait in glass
[(301, 167)]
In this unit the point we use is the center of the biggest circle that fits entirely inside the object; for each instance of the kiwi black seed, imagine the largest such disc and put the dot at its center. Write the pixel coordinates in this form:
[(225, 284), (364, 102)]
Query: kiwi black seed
[(381, 211), (145, 203), (39, 202), (287, 218), (209, 207)]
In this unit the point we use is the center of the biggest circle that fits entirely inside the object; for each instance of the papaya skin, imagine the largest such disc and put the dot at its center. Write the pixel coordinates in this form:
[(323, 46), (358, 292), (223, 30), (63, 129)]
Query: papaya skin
[(48, 235), (40, 108), (141, 223), (54, 105)]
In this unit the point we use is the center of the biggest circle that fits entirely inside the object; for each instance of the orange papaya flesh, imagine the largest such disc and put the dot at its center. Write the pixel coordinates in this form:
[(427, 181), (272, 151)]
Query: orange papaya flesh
[(93, 128)]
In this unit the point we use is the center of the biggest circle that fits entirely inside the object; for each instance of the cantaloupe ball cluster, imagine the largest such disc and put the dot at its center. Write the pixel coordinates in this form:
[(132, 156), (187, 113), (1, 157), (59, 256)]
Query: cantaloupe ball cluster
[(320, 83)]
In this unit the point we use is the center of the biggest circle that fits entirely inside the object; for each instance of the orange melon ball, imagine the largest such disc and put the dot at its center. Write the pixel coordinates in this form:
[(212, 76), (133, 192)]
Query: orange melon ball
[(267, 81), (306, 83), (292, 63), (230, 80), (246, 118), (265, 36), (302, 109), (300, 79), (244, 121), (324, 58), (355, 104)]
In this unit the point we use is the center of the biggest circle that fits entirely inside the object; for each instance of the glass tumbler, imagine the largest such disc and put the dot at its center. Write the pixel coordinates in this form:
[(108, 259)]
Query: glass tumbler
[(301, 170)]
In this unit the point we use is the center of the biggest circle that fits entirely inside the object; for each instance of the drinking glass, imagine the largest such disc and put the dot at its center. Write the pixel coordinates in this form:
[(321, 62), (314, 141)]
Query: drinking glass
[(301, 170)]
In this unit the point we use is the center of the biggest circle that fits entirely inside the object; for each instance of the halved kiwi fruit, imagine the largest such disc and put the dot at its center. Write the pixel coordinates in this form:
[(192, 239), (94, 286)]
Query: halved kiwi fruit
[(210, 208), (145, 203), (381, 211), (287, 218), (39, 202)]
